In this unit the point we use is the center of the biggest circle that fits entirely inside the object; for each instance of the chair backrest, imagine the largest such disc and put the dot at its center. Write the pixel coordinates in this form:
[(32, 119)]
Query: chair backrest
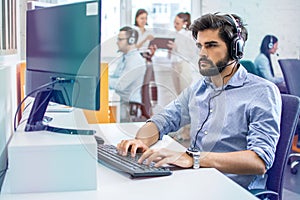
[(289, 120), (149, 97), (250, 67), (291, 70), (149, 91)]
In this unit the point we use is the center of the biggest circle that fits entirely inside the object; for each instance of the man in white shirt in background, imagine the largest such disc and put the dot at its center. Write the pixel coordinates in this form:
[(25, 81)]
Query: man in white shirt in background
[(127, 79)]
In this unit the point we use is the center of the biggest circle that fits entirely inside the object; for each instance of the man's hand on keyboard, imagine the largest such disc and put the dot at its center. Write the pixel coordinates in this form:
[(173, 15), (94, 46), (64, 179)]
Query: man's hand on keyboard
[(165, 156), (133, 146)]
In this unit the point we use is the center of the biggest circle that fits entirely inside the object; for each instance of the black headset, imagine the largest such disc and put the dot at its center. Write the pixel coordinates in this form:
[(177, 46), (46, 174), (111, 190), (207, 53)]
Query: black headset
[(237, 43), (271, 44), (132, 38)]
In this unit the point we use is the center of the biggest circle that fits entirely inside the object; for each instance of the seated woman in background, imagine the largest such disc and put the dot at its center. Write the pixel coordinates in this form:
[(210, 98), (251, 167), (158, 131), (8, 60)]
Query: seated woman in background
[(263, 61)]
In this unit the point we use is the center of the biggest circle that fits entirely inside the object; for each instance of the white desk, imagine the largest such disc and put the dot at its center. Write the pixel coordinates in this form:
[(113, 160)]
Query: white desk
[(182, 184)]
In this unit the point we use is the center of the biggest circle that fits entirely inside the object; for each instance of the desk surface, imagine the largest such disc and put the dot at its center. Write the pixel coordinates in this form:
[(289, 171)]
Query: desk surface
[(206, 183)]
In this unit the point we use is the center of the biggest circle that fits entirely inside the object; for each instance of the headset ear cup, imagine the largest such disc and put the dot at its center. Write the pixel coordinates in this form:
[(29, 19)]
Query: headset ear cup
[(237, 42), (270, 45), (237, 48), (131, 40)]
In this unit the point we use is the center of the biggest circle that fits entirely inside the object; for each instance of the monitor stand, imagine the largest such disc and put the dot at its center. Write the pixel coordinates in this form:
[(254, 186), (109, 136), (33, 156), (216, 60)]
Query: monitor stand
[(37, 113)]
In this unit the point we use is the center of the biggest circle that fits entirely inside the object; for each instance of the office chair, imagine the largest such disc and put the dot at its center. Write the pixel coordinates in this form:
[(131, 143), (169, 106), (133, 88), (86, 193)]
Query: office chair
[(289, 118), (143, 111), (291, 70), (250, 67)]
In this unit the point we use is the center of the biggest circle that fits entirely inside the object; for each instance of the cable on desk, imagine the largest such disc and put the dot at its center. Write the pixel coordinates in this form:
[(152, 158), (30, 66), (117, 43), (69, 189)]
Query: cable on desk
[(32, 92)]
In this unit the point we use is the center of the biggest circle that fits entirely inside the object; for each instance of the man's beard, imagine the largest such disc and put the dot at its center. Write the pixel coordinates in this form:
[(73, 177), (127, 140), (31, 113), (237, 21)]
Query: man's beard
[(212, 69)]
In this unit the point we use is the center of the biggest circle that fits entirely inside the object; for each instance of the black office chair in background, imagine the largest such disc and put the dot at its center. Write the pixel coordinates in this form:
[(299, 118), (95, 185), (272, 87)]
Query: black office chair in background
[(143, 111), (289, 120), (291, 71)]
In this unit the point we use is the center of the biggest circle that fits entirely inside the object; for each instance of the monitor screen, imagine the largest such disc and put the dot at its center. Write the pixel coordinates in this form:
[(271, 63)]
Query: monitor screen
[(63, 56)]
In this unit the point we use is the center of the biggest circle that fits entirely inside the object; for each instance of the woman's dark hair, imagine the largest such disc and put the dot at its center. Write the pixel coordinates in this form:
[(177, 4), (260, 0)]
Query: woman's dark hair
[(138, 13), (267, 44), (186, 17), (223, 23)]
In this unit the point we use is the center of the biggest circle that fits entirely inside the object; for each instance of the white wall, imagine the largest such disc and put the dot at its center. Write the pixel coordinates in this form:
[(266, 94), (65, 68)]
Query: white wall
[(276, 17), (6, 116)]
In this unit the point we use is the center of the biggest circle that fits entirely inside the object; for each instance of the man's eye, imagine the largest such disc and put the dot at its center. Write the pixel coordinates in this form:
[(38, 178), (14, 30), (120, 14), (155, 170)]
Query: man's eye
[(199, 45), (211, 45)]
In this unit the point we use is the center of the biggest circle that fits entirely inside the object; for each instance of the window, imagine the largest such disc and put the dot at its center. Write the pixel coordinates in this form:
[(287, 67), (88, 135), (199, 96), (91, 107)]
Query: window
[(8, 32), (161, 14)]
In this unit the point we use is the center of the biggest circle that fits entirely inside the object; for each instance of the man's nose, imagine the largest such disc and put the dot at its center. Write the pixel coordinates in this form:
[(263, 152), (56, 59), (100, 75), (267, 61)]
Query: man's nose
[(202, 52)]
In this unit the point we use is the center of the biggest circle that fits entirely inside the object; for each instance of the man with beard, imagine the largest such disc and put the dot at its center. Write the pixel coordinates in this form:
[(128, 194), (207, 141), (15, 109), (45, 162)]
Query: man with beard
[(234, 115)]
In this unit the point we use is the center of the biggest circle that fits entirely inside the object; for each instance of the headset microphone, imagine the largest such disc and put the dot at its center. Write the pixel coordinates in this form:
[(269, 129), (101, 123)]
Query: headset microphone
[(221, 68)]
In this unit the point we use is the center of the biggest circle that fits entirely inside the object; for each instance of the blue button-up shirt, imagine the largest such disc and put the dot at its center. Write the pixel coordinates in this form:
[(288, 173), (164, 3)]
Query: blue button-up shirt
[(245, 115)]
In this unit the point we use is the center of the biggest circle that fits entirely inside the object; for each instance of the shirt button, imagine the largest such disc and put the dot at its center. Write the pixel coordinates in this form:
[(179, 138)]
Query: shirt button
[(211, 110), (205, 132)]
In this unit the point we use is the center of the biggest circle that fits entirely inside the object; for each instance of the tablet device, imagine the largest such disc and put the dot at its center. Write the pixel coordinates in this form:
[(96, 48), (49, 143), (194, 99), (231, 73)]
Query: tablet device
[(161, 43)]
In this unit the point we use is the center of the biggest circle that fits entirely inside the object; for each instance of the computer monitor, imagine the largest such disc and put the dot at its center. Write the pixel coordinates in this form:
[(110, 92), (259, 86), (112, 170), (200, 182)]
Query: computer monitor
[(63, 60)]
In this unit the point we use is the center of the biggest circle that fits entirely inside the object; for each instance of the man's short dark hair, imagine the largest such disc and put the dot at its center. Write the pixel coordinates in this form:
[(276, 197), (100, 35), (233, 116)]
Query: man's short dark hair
[(130, 32), (227, 30)]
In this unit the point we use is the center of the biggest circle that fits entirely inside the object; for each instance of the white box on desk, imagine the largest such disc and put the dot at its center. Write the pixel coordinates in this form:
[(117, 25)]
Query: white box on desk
[(51, 162)]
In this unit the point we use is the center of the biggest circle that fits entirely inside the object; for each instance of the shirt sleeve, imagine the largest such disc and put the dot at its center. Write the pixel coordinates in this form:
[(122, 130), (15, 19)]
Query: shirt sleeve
[(112, 82), (264, 127), (174, 116)]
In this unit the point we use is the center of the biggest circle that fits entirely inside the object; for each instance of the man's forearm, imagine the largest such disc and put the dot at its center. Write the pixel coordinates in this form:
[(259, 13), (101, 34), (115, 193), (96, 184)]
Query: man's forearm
[(148, 134), (239, 162)]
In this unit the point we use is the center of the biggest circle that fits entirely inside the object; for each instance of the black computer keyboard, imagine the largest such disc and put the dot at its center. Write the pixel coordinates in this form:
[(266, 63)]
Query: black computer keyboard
[(108, 154)]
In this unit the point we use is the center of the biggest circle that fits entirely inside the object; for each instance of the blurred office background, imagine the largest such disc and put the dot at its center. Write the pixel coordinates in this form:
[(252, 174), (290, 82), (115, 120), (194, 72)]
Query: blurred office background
[(275, 17), (263, 17)]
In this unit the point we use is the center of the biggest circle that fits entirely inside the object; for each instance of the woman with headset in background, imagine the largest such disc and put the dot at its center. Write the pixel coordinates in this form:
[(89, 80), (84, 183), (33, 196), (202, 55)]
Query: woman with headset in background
[(263, 61)]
